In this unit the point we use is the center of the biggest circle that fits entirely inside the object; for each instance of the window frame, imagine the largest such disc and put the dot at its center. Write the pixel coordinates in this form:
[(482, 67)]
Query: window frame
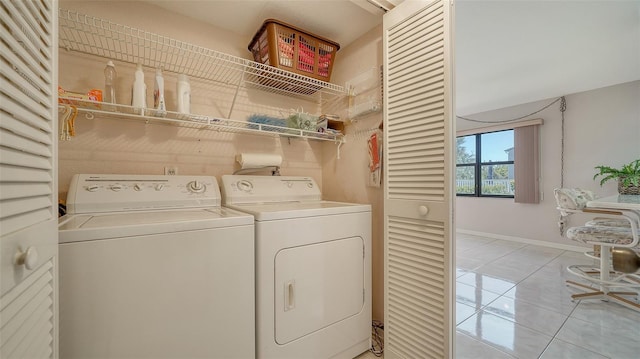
[(478, 164)]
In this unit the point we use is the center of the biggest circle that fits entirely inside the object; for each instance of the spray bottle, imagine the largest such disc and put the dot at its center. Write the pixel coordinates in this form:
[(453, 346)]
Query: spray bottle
[(109, 83), (158, 95), (139, 91), (183, 91)]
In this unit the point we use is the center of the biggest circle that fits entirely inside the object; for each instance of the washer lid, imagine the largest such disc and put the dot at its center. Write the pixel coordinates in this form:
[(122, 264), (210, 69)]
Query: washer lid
[(294, 209), (87, 227)]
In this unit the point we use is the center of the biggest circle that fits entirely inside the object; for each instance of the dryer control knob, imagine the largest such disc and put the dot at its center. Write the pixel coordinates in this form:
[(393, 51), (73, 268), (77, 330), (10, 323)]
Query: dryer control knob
[(137, 187), (159, 187), (115, 187), (196, 187), (245, 185), (92, 188)]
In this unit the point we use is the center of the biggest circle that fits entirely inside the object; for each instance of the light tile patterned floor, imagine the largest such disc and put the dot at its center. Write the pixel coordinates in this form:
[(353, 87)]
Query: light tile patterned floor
[(520, 307), (512, 302)]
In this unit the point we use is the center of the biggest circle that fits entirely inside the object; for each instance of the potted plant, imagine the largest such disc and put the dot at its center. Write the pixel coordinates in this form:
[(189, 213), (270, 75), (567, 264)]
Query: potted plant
[(628, 177)]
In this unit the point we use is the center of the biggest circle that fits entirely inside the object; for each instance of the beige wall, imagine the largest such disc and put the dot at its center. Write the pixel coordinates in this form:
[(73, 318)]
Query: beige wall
[(345, 179), (602, 127)]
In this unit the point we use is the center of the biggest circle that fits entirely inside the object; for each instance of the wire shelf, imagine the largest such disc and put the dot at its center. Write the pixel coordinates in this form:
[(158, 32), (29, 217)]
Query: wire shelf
[(99, 37), (108, 110)]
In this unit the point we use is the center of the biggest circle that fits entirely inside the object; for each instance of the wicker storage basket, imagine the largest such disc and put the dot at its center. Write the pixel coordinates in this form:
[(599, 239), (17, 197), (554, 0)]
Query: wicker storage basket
[(289, 48), (635, 190)]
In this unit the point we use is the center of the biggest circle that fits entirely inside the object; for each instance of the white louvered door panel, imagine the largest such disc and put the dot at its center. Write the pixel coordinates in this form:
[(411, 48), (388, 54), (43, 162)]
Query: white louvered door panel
[(418, 180), (28, 179)]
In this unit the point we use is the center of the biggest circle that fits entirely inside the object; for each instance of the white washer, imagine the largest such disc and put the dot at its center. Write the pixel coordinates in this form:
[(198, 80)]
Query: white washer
[(154, 267), (313, 267)]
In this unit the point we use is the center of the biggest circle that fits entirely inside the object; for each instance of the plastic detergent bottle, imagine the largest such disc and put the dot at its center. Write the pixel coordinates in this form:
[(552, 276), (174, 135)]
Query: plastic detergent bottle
[(158, 95), (139, 91), (183, 91), (110, 83)]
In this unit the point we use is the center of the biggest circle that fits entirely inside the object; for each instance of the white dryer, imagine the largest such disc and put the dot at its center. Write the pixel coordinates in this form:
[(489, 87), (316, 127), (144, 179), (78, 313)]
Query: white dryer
[(313, 267), (154, 267)]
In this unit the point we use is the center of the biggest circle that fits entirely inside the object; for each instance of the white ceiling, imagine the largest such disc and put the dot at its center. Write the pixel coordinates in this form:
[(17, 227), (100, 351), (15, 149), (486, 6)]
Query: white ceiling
[(506, 52), (341, 21), (514, 52)]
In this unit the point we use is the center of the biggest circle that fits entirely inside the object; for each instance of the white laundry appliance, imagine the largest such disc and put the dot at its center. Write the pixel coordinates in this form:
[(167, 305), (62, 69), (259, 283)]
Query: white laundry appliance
[(313, 267), (154, 267)]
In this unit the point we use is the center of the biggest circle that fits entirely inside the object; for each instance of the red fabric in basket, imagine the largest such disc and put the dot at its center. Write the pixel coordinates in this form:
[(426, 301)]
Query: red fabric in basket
[(285, 48)]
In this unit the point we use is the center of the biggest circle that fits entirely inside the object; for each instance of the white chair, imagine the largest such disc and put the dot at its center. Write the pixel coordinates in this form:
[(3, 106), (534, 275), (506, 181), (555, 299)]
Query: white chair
[(612, 229)]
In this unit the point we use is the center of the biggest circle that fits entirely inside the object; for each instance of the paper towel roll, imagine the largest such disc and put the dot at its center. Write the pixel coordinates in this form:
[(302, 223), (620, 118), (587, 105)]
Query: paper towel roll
[(258, 160)]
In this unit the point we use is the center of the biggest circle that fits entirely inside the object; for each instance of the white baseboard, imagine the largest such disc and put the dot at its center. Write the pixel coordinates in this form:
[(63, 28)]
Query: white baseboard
[(566, 247)]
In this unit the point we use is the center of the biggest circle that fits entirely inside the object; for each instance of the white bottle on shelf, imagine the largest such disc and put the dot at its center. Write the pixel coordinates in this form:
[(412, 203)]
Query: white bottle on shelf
[(110, 83), (183, 91), (158, 95), (139, 91)]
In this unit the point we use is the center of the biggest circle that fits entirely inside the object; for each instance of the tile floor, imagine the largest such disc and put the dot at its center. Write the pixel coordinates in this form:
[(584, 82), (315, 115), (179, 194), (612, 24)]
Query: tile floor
[(512, 302)]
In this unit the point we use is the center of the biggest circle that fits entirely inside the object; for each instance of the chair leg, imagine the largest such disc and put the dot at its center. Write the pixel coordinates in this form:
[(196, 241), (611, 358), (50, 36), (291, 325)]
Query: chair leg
[(602, 292), (624, 301), (624, 293), (586, 295)]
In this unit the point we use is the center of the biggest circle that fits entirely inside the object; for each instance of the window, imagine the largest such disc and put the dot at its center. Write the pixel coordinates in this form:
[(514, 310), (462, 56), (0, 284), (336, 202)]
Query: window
[(485, 164), (485, 155)]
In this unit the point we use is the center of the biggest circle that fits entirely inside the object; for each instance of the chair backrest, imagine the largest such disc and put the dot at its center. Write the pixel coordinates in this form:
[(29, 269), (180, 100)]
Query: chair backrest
[(572, 199)]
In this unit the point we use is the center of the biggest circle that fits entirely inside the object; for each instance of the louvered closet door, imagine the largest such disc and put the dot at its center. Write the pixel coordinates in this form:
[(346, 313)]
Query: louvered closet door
[(418, 175), (28, 184)]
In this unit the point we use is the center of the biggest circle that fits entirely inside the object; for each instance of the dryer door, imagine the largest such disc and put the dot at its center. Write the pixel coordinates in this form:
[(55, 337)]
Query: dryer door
[(317, 285)]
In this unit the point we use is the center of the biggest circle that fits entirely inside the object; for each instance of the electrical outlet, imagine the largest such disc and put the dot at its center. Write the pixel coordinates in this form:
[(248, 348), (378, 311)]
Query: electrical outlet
[(171, 171)]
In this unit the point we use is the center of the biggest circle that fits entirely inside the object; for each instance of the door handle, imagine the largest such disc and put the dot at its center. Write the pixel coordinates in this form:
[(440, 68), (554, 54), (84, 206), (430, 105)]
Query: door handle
[(28, 258), (289, 295), (423, 210)]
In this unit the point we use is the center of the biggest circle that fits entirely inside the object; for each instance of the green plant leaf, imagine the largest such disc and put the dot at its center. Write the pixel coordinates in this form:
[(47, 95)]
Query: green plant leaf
[(629, 173)]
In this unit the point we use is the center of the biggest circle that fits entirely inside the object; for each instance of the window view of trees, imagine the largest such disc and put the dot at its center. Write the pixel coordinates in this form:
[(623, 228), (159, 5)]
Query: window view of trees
[(490, 173), (465, 165)]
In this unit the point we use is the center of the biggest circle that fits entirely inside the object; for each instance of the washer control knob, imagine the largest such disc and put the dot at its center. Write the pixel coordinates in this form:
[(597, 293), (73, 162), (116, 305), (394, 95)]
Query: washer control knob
[(245, 185), (310, 185), (159, 187), (196, 187), (137, 187), (92, 188), (115, 187)]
